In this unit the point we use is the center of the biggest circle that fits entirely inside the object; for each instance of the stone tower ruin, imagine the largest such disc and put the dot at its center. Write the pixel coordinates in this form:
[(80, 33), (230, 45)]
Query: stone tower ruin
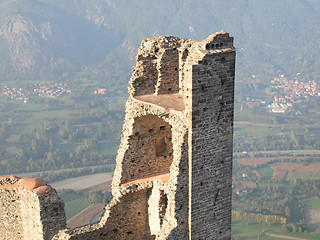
[(174, 164), (177, 138)]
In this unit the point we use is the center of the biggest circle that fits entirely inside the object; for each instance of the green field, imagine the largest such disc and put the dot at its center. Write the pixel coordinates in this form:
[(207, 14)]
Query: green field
[(312, 202), (292, 175), (265, 185), (62, 132), (256, 129), (74, 203), (242, 230), (267, 172)]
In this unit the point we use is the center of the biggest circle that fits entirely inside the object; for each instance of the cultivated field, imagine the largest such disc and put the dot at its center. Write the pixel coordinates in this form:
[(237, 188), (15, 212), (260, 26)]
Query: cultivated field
[(279, 174), (80, 183), (312, 167), (85, 217)]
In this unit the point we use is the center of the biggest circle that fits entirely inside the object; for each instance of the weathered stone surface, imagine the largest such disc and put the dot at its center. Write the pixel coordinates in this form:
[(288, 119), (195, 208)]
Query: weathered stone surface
[(176, 148), (174, 162), (29, 209)]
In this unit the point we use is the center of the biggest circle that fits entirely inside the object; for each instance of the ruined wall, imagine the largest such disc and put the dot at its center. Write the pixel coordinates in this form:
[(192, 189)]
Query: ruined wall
[(124, 219), (196, 198), (150, 149), (174, 164), (129, 218), (30, 209), (10, 217), (168, 72), (157, 68)]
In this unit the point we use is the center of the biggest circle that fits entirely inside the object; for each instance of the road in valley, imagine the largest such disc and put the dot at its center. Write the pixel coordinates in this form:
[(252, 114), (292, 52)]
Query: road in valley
[(284, 236), (283, 152), (55, 171)]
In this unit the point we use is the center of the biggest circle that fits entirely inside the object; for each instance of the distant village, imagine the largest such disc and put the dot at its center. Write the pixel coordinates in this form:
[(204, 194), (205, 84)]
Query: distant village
[(288, 92), (285, 94), (49, 90)]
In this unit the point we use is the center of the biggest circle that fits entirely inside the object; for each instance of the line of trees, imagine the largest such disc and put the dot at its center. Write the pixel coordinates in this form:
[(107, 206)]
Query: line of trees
[(257, 217)]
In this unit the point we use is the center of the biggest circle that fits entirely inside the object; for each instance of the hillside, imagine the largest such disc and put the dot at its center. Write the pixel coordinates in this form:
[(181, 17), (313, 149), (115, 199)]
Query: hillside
[(98, 39), (43, 41)]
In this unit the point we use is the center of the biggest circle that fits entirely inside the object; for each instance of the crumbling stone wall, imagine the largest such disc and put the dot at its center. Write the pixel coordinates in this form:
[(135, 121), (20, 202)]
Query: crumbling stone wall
[(123, 219), (10, 214), (168, 72), (30, 209), (150, 149), (174, 162), (157, 69), (198, 192)]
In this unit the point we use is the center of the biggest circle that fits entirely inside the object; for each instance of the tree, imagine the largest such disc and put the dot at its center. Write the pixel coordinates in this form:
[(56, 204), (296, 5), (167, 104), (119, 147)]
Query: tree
[(294, 227), (50, 156), (95, 197), (34, 145), (287, 212), (285, 228), (107, 196), (294, 137)]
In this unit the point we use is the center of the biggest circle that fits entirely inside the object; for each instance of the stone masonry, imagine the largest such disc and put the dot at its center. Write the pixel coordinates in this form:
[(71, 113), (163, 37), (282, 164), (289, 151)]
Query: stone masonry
[(29, 209), (174, 163)]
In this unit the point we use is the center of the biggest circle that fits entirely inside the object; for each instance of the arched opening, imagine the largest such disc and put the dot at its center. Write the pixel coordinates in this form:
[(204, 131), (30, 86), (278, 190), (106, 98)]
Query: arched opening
[(150, 149)]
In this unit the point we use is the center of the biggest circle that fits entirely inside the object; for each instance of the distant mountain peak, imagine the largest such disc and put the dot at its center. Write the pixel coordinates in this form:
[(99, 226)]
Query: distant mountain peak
[(38, 45), (25, 39)]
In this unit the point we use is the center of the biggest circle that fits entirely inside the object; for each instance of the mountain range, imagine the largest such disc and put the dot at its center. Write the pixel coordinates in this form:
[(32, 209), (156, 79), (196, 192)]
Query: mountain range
[(52, 40)]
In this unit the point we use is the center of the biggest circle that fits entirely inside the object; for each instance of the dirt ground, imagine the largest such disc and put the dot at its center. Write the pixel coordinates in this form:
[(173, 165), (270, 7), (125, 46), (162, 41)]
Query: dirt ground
[(279, 174), (245, 184), (298, 167)]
